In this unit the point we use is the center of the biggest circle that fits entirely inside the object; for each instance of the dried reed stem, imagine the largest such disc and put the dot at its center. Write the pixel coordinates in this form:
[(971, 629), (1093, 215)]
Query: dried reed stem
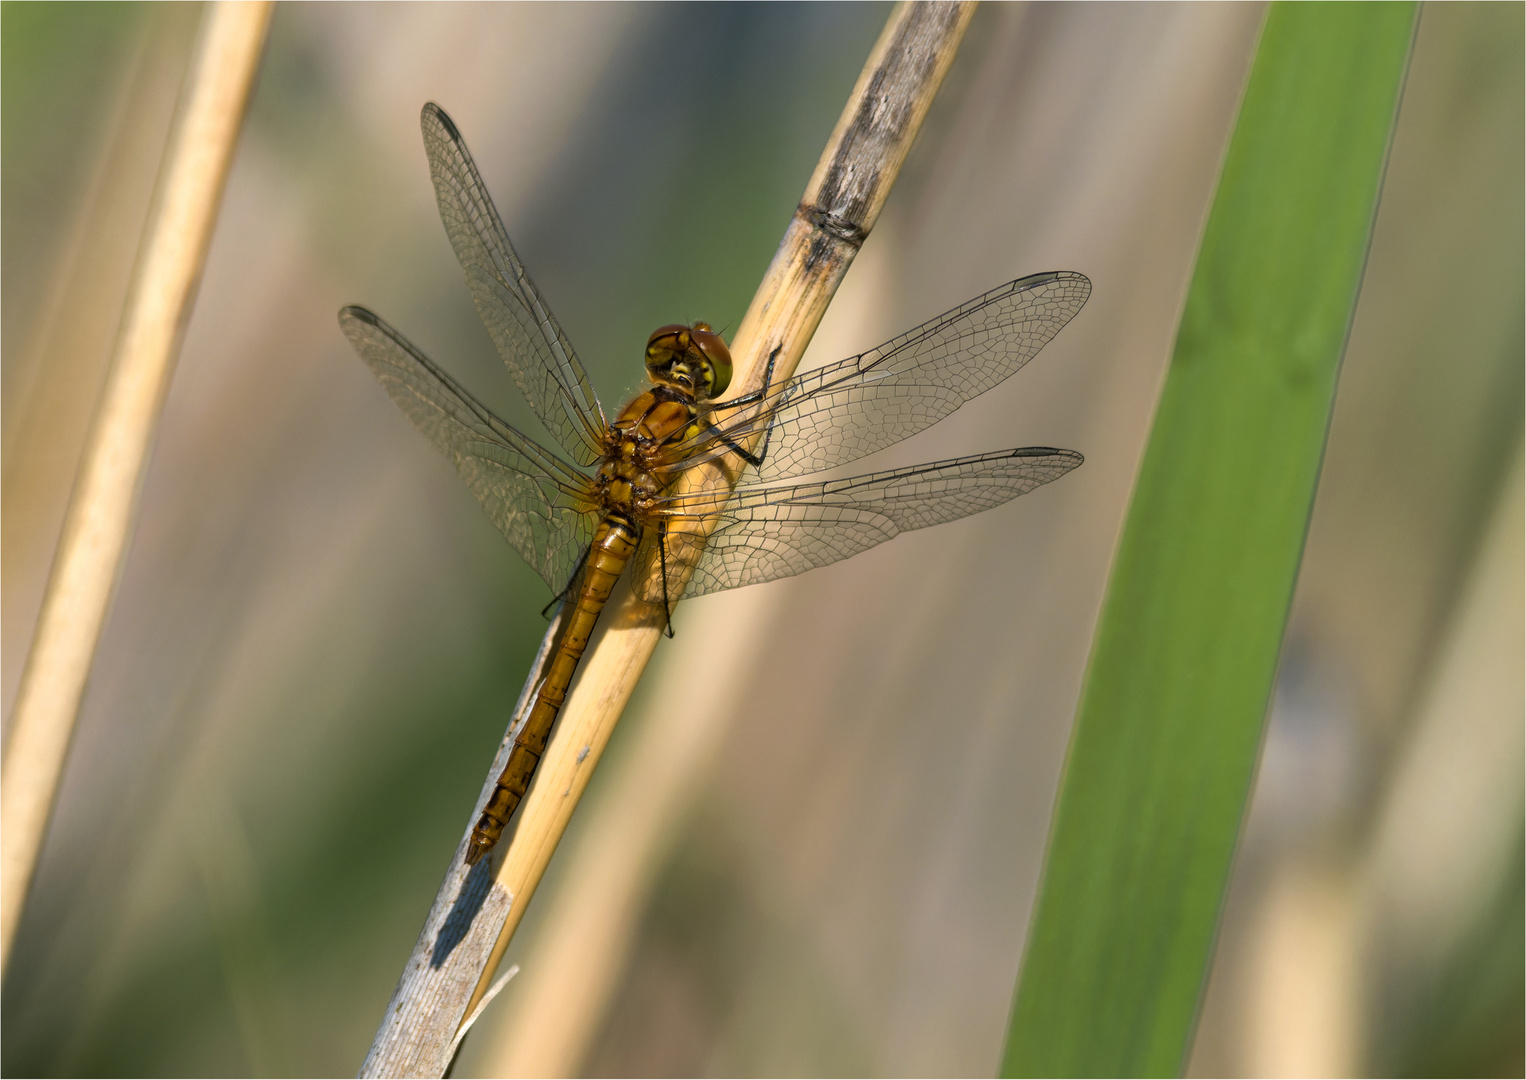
[(100, 515), (840, 206)]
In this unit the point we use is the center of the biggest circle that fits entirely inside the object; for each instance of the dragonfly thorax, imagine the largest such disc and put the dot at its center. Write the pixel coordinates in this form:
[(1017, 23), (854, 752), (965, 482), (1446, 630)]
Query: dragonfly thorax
[(637, 446), (687, 539), (653, 420), (625, 485)]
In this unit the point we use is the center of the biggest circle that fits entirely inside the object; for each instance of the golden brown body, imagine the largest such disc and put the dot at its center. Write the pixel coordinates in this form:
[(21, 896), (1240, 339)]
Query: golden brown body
[(630, 476), (611, 496)]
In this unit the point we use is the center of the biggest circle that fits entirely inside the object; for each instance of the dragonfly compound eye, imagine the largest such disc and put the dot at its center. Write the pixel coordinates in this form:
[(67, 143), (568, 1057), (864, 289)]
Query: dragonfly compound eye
[(665, 344), (717, 359), (701, 352)]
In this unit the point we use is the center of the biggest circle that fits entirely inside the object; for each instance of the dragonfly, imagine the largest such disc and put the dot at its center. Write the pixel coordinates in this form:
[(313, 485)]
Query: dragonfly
[(614, 495)]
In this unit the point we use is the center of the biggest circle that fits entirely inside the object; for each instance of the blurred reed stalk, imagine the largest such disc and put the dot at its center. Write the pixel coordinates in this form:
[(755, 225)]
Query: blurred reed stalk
[(101, 509), (841, 203)]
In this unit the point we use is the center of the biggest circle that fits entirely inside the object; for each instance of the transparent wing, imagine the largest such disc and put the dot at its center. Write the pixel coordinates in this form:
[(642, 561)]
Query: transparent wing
[(539, 502), (850, 409), (769, 532), (528, 336)]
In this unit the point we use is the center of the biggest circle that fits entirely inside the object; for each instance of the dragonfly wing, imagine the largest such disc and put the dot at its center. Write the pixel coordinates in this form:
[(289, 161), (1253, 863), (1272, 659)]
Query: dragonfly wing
[(527, 335), (768, 532), (839, 413), (539, 502)]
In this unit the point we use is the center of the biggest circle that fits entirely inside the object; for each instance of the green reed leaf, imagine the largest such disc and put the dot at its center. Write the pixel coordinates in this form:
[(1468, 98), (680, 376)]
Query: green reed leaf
[(1164, 749)]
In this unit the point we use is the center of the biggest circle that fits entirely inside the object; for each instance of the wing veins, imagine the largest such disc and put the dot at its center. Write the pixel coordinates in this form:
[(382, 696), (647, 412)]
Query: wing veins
[(541, 504), (770, 531), (527, 335), (847, 410)]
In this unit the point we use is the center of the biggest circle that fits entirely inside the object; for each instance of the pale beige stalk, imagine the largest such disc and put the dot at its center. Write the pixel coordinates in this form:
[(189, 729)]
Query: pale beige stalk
[(100, 515), (473, 918), (577, 952), (840, 205)]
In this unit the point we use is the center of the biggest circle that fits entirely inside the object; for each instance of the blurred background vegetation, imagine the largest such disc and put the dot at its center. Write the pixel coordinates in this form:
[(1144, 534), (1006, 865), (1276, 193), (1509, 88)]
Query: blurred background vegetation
[(318, 636)]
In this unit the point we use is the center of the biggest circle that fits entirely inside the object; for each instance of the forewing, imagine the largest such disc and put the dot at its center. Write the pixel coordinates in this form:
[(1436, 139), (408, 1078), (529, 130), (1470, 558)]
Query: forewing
[(539, 502), (769, 532), (527, 335), (839, 413)]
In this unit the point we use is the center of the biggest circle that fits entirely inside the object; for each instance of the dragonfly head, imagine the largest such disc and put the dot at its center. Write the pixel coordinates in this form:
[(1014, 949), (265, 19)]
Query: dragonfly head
[(693, 359)]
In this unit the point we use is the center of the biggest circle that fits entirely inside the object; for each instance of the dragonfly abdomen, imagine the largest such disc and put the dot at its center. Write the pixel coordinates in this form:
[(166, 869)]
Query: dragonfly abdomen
[(614, 542), (795, 426)]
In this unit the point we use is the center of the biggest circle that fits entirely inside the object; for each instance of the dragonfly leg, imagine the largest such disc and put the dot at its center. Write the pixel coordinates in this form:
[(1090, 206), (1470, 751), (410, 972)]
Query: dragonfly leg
[(570, 589), (755, 459), (662, 559), (757, 395)]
